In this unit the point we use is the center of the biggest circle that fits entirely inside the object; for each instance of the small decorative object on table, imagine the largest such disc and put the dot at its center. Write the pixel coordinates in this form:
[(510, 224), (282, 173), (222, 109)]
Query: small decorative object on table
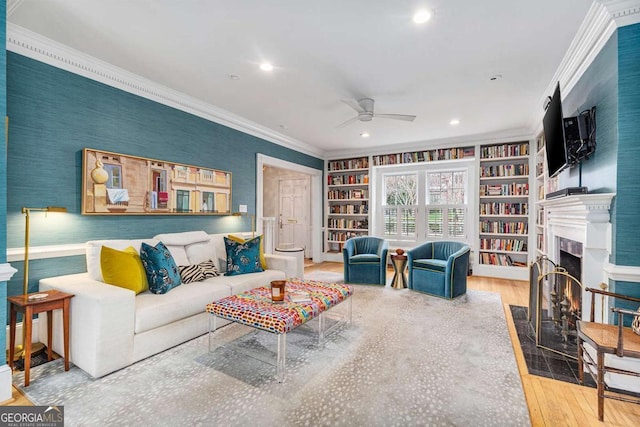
[(299, 296), (277, 290)]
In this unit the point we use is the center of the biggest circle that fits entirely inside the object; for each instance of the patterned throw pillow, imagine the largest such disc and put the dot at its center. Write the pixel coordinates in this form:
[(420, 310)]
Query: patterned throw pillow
[(635, 325), (209, 269), (198, 272), (263, 260), (162, 271), (244, 257), (191, 273)]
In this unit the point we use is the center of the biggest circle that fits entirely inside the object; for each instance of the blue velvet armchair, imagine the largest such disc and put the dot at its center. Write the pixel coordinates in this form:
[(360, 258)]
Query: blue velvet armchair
[(365, 260), (439, 268)]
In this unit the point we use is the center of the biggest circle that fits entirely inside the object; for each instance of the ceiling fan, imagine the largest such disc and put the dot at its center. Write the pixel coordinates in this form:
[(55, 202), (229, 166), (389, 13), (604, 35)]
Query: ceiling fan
[(364, 107)]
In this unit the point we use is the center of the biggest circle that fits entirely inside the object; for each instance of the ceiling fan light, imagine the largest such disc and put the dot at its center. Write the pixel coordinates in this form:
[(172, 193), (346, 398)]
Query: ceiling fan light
[(423, 15)]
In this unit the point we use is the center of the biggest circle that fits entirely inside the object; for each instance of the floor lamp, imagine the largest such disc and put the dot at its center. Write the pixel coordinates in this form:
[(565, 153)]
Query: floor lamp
[(36, 348)]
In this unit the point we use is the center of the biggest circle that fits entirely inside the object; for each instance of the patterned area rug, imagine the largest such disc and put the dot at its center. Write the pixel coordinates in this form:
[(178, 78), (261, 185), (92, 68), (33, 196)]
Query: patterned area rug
[(408, 359)]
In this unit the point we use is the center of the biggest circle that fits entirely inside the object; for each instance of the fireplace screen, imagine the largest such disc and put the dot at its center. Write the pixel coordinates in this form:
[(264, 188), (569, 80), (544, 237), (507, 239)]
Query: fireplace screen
[(559, 302)]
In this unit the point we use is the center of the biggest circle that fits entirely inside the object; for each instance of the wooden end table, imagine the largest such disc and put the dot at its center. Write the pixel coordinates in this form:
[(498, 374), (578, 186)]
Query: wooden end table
[(21, 303)]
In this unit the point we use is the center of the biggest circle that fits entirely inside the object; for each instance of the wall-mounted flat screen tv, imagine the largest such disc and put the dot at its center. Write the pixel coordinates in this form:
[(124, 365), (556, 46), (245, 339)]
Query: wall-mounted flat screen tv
[(554, 135)]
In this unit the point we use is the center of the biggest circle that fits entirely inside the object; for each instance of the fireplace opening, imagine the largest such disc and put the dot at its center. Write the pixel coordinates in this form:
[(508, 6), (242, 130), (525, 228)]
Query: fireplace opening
[(573, 264), (559, 305)]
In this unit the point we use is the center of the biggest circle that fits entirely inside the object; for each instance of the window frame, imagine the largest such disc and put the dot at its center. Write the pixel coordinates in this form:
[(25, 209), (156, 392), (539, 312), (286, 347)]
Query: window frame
[(422, 169)]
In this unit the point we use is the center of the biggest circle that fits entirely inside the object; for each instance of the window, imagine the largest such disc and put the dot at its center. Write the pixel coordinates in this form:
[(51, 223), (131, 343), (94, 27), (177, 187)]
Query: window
[(207, 201), (420, 202), (400, 205), (182, 201), (115, 175), (446, 204)]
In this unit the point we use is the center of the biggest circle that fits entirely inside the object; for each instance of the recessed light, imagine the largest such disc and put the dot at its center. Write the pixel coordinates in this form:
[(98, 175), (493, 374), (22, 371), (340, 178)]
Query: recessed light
[(454, 122), (233, 77), (266, 66), (365, 135), (495, 77), (423, 15)]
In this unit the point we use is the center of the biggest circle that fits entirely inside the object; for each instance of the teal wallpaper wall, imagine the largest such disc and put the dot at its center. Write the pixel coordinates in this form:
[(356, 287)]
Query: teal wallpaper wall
[(597, 87), (627, 244), (55, 114), (3, 175)]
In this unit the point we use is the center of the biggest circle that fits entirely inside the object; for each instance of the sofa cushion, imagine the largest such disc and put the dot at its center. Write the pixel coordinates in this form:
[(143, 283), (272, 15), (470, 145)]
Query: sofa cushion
[(94, 248), (365, 259), (244, 282), (243, 258), (431, 264), (162, 271), (153, 311), (123, 269), (188, 247)]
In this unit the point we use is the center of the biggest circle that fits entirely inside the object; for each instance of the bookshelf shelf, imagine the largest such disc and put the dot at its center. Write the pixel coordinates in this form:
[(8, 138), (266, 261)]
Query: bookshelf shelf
[(503, 194), (347, 201)]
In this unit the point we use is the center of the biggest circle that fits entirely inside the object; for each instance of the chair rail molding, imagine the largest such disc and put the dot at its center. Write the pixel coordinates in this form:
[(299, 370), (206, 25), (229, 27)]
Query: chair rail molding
[(622, 273), (43, 252), (6, 272), (35, 46)]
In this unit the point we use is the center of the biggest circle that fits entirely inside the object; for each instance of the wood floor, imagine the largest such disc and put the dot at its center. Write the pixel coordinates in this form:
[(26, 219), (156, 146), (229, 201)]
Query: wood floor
[(551, 403)]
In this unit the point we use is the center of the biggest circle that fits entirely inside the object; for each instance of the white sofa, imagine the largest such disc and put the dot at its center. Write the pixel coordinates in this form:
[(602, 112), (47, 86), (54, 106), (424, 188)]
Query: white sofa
[(111, 327)]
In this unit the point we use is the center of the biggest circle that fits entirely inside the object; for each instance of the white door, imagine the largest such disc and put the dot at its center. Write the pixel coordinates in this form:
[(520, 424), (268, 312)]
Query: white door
[(293, 213)]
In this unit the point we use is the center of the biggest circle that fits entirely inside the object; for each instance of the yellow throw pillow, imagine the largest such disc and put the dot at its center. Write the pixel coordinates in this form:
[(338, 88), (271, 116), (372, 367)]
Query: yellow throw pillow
[(123, 269), (263, 261)]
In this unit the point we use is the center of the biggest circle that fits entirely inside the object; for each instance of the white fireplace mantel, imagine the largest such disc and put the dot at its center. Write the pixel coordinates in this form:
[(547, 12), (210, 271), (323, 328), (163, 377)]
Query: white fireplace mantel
[(583, 218)]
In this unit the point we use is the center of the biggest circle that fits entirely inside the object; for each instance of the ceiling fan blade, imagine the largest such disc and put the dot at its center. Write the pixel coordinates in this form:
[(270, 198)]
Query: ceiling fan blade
[(405, 117), (348, 122), (353, 104)]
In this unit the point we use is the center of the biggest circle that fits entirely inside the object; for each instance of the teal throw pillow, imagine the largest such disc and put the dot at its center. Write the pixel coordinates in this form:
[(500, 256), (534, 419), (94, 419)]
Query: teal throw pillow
[(162, 271), (243, 257)]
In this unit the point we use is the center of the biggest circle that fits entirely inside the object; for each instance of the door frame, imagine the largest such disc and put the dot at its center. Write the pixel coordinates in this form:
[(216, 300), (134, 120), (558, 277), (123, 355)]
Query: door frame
[(315, 197)]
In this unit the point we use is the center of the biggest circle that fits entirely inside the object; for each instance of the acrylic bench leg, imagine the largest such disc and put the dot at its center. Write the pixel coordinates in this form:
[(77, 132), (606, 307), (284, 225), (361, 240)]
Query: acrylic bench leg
[(282, 357), (212, 329), (321, 326)]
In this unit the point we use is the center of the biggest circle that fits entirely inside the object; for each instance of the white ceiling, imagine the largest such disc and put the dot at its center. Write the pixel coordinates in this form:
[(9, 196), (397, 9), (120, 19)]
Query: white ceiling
[(326, 51)]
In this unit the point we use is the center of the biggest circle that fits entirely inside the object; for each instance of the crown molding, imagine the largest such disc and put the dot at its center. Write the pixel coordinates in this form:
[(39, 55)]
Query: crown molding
[(37, 47), (602, 20), (12, 5), (624, 12)]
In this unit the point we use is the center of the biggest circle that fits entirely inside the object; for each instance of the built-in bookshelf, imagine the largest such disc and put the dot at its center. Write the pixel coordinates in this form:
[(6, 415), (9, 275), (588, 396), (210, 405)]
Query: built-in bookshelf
[(424, 156), (544, 185), (347, 207), (540, 213), (504, 194)]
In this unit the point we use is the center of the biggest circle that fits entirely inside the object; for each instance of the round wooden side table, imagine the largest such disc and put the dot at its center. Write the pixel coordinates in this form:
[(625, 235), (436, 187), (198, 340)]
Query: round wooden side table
[(399, 262)]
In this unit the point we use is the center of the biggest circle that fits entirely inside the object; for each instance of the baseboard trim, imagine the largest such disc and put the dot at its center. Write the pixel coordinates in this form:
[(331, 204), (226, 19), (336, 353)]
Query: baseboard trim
[(6, 389)]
